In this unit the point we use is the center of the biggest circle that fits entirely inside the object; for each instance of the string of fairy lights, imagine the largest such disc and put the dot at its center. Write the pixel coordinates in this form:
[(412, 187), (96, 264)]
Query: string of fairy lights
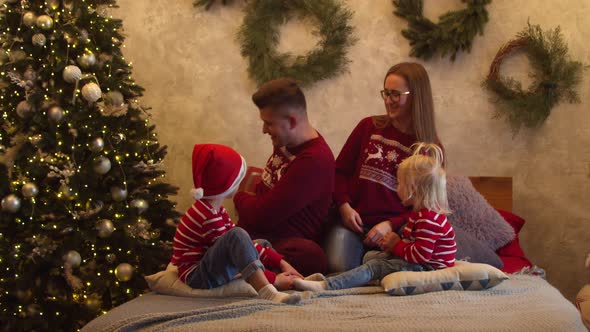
[(65, 153)]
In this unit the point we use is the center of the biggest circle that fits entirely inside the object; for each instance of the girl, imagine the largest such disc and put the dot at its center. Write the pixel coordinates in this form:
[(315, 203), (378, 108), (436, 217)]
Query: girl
[(208, 249), (428, 240), (366, 183)]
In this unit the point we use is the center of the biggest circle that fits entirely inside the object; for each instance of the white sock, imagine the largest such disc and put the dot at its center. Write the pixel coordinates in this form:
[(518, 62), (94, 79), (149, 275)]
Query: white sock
[(269, 292), (310, 285)]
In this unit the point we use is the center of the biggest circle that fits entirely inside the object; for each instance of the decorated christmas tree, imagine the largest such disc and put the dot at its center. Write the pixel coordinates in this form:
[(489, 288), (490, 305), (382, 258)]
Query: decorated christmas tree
[(85, 211)]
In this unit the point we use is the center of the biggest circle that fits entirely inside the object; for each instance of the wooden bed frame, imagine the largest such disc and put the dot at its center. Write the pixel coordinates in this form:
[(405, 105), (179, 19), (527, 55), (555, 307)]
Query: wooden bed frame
[(496, 190)]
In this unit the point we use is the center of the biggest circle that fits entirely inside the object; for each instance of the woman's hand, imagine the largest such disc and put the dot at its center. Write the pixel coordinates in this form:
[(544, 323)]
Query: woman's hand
[(284, 281), (389, 241), (351, 218), (377, 233)]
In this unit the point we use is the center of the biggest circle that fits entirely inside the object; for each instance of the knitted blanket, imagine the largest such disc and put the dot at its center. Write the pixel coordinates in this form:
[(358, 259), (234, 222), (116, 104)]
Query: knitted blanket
[(523, 303)]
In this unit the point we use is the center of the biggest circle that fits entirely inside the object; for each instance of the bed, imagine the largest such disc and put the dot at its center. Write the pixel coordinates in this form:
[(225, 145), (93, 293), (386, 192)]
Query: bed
[(525, 302)]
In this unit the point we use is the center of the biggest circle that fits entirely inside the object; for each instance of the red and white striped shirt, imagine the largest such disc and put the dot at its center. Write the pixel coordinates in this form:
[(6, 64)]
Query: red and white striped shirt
[(198, 230), (428, 238)]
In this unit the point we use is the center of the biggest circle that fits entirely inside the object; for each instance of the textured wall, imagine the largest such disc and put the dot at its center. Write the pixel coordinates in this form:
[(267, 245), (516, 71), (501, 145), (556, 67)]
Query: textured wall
[(196, 81)]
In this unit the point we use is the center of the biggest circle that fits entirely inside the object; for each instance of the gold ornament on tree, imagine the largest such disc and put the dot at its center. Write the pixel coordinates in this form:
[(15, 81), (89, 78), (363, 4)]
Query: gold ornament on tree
[(44, 22), (29, 190), (124, 272), (101, 165), (29, 19)]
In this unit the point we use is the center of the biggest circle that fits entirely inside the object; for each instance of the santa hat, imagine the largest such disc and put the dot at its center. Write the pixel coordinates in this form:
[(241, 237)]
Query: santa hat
[(217, 171)]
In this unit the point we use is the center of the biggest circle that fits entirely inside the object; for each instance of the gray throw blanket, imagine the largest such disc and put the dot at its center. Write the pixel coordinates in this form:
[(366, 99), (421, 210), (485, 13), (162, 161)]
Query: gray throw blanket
[(523, 303)]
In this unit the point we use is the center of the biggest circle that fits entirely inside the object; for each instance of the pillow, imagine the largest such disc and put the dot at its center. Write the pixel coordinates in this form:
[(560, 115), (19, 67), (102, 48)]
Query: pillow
[(468, 249), (471, 249), (472, 213), (166, 282), (513, 220), (462, 276)]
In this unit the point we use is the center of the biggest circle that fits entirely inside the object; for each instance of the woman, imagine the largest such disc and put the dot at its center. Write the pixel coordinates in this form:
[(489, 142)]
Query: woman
[(366, 185)]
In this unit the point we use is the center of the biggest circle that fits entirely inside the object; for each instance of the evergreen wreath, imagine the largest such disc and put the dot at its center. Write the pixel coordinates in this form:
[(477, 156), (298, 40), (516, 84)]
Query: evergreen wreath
[(553, 80), (208, 3), (259, 36), (453, 33)]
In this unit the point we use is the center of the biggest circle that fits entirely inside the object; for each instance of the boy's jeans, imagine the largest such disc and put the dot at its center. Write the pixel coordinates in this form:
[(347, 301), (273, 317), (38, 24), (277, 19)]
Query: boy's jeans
[(231, 254)]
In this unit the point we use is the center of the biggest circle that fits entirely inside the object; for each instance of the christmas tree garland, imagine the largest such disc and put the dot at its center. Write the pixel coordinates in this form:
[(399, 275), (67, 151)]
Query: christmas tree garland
[(554, 79), (259, 37), (453, 33)]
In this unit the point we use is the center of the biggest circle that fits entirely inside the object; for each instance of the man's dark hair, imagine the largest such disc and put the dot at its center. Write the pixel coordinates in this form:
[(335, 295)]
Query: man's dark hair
[(279, 93)]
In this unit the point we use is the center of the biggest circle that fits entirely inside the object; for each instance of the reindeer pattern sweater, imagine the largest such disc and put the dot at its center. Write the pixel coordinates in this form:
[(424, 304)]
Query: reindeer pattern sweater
[(366, 172)]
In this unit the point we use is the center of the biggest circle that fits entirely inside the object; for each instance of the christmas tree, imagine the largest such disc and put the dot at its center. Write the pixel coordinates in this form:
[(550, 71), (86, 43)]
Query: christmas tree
[(85, 211)]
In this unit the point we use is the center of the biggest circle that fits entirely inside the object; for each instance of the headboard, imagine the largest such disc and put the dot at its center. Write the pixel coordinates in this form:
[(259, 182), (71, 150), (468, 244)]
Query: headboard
[(496, 190)]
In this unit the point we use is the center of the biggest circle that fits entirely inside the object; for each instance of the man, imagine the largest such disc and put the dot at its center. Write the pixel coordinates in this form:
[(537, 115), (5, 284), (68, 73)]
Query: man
[(291, 202)]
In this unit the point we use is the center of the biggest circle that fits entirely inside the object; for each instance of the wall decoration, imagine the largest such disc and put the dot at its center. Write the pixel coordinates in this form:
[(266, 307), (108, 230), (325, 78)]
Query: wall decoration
[(453, 33), (259, 37), (554, 78)]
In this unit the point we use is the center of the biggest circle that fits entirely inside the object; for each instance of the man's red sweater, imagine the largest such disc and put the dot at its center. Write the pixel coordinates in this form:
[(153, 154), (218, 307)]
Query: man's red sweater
[(366, 172), (294, 196)]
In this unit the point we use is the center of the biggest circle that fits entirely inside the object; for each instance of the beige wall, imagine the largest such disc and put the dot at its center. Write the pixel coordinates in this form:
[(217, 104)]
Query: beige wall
[(196, 81)]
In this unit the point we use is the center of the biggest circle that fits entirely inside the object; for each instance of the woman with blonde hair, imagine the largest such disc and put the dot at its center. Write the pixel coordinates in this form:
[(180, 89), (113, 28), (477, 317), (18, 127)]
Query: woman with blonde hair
[(366, 183)]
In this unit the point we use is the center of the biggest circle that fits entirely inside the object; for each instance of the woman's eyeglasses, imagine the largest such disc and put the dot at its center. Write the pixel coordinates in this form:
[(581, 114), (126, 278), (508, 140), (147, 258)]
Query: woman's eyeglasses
[(393, 94)]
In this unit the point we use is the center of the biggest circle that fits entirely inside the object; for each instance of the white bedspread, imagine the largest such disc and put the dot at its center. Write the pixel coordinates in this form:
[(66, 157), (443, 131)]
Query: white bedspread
[(523, 303)]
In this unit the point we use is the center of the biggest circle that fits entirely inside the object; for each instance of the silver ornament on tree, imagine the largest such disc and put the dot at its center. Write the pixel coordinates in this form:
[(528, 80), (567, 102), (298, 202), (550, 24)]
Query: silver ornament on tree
[(11, 203), (91, 92), (29, 190), (96, 145), (44, 22), (101, 165), (72, 74), (124, 272), (73, 258), (119, 194), (105, 228), (140, 204), (29, 19), (55, 114), (114, 98), (24, 109), (39, 39), (87, 60)]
